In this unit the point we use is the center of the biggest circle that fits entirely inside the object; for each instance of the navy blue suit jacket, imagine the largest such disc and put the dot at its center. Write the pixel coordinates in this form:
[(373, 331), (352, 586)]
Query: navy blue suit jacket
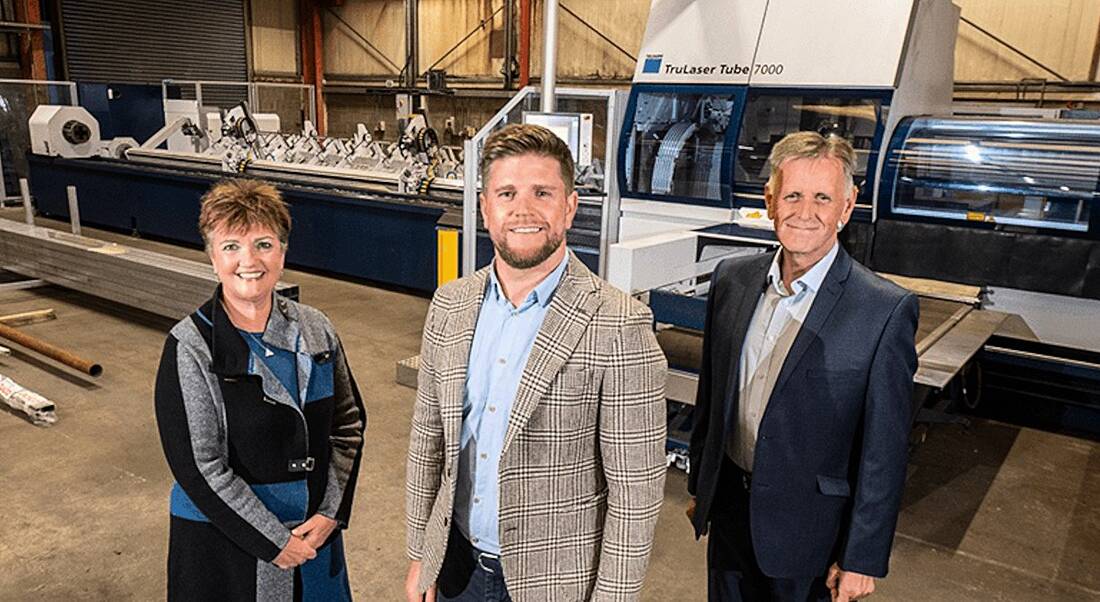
[(832, 446)]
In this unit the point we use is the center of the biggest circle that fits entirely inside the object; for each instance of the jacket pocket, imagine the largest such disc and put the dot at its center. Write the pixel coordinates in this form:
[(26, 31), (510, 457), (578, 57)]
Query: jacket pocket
[(572, 379), (833, 486)]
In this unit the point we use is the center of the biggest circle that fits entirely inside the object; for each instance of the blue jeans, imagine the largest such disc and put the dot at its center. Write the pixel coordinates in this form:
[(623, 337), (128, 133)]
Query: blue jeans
[(470, 575)]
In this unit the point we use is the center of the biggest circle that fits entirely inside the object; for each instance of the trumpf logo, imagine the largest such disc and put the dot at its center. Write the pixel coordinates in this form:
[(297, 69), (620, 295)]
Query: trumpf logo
[(652, 63)]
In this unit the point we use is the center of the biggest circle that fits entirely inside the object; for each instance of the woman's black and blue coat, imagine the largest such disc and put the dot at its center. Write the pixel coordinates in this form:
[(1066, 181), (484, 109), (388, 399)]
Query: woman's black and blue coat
[(253, 460)]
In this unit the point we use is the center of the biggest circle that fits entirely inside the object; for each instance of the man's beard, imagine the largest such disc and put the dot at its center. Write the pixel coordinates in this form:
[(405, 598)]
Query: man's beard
[(520, 262)]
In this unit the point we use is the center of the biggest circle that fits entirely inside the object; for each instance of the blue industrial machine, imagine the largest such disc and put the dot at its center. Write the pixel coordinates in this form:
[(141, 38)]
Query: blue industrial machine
[(720, 82), (1012, 205), (378, 224), (1003, 207), (390, 212)]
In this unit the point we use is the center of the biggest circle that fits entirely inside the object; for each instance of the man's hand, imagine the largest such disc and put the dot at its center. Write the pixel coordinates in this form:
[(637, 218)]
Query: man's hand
[(690, 512), (846, 586), (316, 530), (411, 594), (296, 552)]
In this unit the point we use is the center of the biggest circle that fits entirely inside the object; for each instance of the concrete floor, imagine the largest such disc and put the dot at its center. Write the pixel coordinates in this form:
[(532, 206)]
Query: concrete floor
[(991, 513)]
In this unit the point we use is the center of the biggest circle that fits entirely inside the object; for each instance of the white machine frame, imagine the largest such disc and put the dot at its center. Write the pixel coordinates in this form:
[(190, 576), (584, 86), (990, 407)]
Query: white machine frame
[(906, 46)]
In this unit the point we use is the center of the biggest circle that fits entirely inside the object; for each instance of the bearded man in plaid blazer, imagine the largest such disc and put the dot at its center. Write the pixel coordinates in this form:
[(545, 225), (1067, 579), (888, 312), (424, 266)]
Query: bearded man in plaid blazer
[(536, 460)]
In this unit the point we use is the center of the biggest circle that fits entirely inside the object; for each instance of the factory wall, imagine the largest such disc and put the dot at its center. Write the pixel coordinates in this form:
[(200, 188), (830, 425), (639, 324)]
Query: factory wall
[(443, 23), (365, 43), (1059, 33), (275, 48)]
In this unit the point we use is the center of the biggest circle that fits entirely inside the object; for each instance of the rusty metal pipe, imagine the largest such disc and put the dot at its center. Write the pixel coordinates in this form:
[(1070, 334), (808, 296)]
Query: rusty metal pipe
[(51, 351)]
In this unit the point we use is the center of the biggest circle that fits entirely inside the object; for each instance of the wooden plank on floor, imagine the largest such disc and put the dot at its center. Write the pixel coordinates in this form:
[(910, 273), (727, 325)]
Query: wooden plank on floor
[(28, 317)]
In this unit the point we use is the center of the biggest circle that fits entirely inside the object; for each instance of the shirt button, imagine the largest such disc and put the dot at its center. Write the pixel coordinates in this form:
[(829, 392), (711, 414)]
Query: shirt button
[(474, 539), (492, 408), (501, 360), (484, 456), (477, 500)]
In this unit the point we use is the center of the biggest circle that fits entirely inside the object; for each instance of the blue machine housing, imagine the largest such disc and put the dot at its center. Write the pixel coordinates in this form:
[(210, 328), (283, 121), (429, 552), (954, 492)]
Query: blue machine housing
[(736, 191), (363, 235), (1042, 176), (993, 202), (735, 94)]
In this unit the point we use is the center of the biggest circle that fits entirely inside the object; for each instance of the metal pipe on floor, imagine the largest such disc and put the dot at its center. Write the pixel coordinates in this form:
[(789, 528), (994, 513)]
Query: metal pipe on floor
[(51, 351)]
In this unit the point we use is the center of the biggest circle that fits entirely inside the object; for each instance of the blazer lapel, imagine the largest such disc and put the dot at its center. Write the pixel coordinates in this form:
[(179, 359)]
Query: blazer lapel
[(574, 304), (824, 302), (753, 281), (460, 324)]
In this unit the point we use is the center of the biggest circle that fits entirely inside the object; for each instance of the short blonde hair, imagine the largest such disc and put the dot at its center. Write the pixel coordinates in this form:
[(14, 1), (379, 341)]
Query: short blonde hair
[(811, 145), (523, 139), (242, 203)]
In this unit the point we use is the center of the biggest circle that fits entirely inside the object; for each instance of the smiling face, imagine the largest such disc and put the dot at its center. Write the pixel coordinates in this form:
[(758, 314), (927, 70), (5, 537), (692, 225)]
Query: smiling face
[(248, 263), (526, 209), (806, 201)]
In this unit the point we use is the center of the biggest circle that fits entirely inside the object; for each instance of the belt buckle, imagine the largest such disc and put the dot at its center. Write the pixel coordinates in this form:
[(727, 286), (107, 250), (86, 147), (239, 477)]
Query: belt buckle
[(481, 556)]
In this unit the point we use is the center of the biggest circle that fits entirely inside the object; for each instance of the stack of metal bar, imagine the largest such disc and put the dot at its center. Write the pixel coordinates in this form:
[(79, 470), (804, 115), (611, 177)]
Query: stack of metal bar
[(150, 281)]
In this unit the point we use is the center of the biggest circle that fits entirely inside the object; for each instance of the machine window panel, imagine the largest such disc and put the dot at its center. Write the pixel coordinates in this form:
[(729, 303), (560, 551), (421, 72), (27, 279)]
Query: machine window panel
[(677, 143), (770, 117), (1009, 178)]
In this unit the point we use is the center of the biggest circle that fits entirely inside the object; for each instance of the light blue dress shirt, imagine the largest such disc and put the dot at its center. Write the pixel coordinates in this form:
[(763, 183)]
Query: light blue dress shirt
[(502, 341), (774, 326)]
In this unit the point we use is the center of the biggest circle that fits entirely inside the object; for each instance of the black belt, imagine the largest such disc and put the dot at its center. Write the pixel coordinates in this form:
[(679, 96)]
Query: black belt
[(490, 563)]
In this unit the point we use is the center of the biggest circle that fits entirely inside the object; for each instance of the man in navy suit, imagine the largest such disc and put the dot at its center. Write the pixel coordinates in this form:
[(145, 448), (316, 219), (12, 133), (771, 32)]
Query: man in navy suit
[(804, 405)]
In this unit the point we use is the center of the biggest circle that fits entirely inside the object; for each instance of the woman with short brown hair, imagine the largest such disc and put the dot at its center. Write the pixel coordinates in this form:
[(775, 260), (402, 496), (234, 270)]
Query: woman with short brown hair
[(260, 420)]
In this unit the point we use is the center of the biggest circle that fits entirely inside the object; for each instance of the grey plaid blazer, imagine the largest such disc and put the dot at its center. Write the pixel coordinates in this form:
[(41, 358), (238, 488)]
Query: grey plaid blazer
[(583, 465)]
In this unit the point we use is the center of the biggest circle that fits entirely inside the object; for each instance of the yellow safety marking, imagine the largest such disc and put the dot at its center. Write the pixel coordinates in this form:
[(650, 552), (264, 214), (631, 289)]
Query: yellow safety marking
[(446, 256)]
